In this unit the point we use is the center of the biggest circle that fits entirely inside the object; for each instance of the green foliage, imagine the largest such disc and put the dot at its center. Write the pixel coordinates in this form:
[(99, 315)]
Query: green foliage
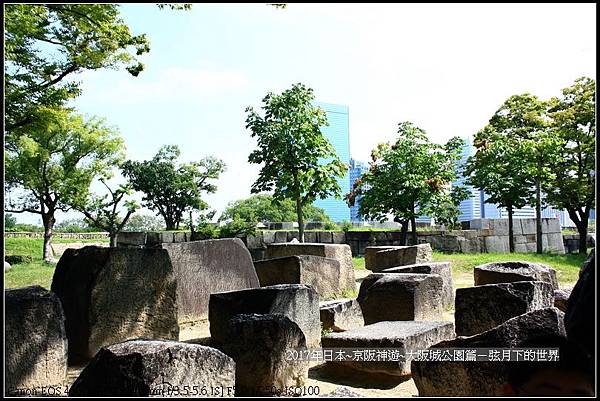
[(330, 226), (292, 150), (20, 227), (263, 208), (173, 190), (10, 221), (144, 222), (574, 124), (73, 226), (206, 230), (409, 178), (325, 331), (237, 227), (346, 226), (18, 259), (47, 43)]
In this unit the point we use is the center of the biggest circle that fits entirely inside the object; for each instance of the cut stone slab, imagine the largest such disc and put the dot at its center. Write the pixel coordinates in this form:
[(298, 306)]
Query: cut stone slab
[(561, 298), (404, 336), (340, 252), (385, 257), (341, 315), (205, 267), (260, 346), (443, 269), (484, 307), (508, 272), (35, 340), (581, 309), (110, 295), (483, 379), (142, 368), (401, 296), (298, 302), (323, 274)]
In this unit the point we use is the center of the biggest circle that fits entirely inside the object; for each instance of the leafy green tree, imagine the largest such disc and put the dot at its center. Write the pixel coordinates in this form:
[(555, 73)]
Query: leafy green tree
[(10, 221), (444, 206), (523, 119), (262, 208), (51, 164), (407, 178), (144, 222), (76, 225), (45, 44), (499, 167), (173, 190), (574, 123), (298, 162), (103, 212)]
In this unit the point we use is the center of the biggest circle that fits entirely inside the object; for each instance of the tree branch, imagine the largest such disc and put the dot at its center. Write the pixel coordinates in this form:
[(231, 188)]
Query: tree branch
[(28, 210)]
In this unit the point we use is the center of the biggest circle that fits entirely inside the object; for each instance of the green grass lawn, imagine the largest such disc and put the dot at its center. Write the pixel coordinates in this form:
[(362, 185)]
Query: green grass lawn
[(37, 272), (566, 266)]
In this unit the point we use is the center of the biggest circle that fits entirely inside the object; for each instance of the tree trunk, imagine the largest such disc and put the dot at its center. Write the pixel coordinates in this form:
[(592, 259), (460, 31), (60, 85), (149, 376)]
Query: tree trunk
[(413, 223), (582, 227), (511, 238), (170, 223), (403, 232), (538, 217), (48, 221), (300, 219), (113, 239)]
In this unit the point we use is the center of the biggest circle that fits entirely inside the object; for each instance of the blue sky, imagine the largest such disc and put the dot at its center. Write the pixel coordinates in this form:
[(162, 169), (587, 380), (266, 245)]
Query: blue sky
[(446, 68)]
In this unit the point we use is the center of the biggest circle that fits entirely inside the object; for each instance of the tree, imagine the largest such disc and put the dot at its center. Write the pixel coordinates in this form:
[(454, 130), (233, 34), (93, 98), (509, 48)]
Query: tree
[(10, 221), (51, 164), (298, 162), (144, 222), (499, 167), (262, 208), (77, 225), (444, 206), (103, 211), (172, 190), (406, 179), (45, 44), (572, 185), (523, 119)]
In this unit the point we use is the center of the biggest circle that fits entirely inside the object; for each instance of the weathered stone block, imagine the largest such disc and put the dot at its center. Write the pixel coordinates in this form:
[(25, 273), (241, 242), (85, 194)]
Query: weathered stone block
[(401, 296), (553, 243), (280, 237), (35, 340), (508, 272), (141, 368), (323, 274), (370, 251), (404, 336), (338, 237), (561, 298), (483, 379), (400, 256), (325, 237), (299, 302), (310, 236), (443, 269), (341, 315), (500, 226), (130, 238), (341, 253), (551, 225), (581, 313), (496, 244), (484, 307), (528, 227), (205, 267), (268, 237), (110, 295), (479, 224), (260, 346)]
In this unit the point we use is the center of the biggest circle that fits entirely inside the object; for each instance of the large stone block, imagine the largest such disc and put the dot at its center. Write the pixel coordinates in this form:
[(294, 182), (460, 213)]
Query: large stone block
[(443, 269), (260, 346), (402, 336), (141, 368), (528, 226), (338, 237), (484, 307), (581, 313), (561, 298), (517, 227), (370, 251), (508, 272), (131, 238), (339, 252), (341, 315), (496, 244), (110, 295), (299, 302), (323, 274), (550, 225), (280, 237), (553, 243), (205, 267), (35, 340), (479, 224), (400, 256), (500, 226), (477, 378), (401, 296)]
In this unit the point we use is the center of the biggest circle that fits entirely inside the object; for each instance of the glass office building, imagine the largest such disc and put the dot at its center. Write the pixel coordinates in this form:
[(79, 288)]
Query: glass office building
[(357, 169)]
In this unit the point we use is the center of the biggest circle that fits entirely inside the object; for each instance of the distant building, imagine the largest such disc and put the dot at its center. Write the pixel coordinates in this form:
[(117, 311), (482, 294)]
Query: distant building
[(357, 169), (338, 134)]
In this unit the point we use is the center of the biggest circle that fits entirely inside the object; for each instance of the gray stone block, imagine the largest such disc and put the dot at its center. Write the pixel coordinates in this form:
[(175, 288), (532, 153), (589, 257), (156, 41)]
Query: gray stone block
[(131, 238), (484, 307), (443, 269), (496, 244), (500, 226), (268, 237), (551, 225), (341, 315), (528, 226), (310, 236), (404, 336), (561, 298), (401, 296), (479, 224), (325, 237), (299, 302), (338, 237), (508, 272), (35, 340), (142, 368), (517, 227), (400, 256), (280, 237)]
